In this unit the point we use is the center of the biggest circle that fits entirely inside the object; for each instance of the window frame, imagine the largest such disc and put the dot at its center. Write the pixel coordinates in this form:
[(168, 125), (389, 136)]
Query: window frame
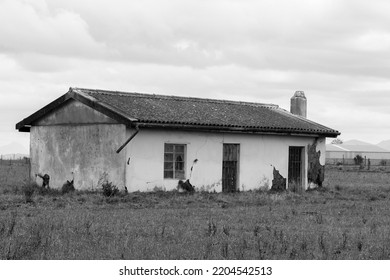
[(175, 172)]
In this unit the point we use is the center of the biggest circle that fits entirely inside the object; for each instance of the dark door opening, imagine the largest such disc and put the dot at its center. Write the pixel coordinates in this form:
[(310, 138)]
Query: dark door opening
[(230, 167), (295, 169)]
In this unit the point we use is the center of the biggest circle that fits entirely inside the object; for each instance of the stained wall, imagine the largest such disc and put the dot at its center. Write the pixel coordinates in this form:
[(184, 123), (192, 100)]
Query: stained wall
[(77, 142)]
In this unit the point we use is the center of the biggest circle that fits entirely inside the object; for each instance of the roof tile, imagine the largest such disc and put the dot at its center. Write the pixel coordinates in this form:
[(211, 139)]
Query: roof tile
[(163, 109)]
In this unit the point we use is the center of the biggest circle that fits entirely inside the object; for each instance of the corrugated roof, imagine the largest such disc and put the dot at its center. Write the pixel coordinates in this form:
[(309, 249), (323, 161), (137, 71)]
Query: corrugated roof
[(164, 110)]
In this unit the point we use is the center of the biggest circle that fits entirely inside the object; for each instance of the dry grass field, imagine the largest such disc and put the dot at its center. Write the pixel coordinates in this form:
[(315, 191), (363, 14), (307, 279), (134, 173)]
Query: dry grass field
[(348, 219)]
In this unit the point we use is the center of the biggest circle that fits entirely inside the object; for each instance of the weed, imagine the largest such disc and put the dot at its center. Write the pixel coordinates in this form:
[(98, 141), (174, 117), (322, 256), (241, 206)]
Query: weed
[(212, 228), (322, 246), (112, 200), (109, 189), (345, 240), (157, 189), (373, 228), (303, 245), (256, 231), (87, 226), (12, 223), (259, 249), (318, 218), (60, 204), (2, 228), (226, 230), (28, 191), (293, 254), (359, 245), (43, 191), (225, 249), (208, 249)]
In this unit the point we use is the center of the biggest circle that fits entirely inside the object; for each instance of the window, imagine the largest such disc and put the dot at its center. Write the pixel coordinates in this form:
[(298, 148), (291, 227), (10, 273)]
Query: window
[(174, 161)]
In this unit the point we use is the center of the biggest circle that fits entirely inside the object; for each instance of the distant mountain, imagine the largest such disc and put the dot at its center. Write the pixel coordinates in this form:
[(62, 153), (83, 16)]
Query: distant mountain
[(357, 145), (355, 142), (385, 144), (13, 148)]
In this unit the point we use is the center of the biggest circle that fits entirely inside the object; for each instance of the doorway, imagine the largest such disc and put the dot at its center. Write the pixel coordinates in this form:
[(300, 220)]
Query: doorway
[(295, 169), (230, 164)]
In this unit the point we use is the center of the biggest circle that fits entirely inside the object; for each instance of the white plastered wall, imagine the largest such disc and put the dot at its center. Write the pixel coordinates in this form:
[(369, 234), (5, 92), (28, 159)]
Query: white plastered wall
[(259, 155)]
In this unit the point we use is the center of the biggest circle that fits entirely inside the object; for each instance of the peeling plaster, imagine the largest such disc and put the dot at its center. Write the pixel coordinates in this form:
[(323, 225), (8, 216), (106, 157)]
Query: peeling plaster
[(316, 169), (278, 182)]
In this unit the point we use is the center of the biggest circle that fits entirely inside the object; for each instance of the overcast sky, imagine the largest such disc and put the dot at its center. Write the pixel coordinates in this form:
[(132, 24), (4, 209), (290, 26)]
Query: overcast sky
[(337, 52)]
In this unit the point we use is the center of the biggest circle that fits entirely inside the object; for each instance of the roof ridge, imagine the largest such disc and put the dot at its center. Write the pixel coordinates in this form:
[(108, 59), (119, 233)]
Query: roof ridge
[(179, 98)]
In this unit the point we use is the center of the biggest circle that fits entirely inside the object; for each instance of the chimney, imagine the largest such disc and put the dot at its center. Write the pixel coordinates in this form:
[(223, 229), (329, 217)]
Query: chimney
[(299, 104)]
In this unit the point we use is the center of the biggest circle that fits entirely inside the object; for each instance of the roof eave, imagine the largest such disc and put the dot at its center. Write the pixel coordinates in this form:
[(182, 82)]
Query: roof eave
[(232, 129), (25, 124)]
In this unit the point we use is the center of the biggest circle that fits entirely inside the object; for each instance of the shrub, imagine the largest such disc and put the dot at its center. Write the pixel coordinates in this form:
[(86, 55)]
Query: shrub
[(28, 191), (358, 159), (109, 189)]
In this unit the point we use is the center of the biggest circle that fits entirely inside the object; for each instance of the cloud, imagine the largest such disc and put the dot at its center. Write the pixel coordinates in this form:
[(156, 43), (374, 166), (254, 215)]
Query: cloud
[(32, 34), (261, 51), (325, 36)]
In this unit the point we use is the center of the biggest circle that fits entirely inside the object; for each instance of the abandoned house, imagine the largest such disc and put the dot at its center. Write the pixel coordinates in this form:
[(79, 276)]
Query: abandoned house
[(147, 141)]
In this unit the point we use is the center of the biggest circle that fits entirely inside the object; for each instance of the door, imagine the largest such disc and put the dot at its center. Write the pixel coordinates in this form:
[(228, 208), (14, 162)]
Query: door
[(230, 167), (295, 169)]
